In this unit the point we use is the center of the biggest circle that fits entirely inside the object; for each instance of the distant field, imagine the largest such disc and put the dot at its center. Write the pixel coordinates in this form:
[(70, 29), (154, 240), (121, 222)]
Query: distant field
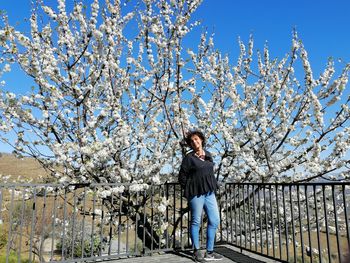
[(20, 169)]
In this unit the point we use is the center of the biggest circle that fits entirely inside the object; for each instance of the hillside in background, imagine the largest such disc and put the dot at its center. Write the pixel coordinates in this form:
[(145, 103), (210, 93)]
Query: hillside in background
[(27, 169)]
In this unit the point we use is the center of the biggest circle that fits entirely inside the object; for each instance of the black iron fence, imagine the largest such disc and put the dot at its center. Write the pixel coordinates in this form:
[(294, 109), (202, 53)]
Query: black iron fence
[(81, 222), (290, 222), (78, 222)]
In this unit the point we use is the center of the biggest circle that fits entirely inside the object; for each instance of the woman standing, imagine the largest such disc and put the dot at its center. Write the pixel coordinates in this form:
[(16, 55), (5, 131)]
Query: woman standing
[(197, 177)]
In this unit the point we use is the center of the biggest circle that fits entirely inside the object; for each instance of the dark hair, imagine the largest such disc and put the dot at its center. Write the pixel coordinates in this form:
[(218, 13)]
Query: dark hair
[(194, 132)]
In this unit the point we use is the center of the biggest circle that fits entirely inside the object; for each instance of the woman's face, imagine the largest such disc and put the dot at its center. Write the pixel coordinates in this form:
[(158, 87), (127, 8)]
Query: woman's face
[(196, 142)]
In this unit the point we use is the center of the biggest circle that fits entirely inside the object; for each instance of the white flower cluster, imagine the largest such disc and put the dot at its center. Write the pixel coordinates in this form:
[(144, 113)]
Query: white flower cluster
[(112, 107)]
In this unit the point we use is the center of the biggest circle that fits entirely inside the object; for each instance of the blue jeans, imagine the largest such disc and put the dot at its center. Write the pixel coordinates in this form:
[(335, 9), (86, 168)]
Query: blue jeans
[(208, 202)]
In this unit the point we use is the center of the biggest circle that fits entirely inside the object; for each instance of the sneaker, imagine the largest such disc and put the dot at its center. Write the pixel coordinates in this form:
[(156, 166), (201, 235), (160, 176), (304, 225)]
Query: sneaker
[(197, 256), (212, 256)]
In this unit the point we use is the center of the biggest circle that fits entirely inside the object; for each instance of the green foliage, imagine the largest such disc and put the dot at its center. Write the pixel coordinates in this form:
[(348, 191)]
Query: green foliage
[(139, 247), (78, 243), (22, 215), (77, 250), (3, 238), (13, 258)]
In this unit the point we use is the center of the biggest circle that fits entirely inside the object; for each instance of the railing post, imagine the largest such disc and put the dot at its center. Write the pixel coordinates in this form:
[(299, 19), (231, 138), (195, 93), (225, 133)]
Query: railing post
[(167, 215), (326, 221), (308, 222), (285, 221), (336, 223), (300, 225)]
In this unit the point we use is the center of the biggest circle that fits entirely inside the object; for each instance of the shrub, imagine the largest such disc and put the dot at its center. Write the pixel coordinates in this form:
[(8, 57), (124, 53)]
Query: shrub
[(77, 250), (78, 244), (12, 258), (3, 238)]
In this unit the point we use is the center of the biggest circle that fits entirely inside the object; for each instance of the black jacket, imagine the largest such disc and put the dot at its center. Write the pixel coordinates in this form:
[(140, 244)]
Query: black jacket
[(197, 175)]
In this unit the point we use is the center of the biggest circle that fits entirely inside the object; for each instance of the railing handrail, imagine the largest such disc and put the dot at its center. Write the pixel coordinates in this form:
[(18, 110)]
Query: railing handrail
[(291, 183), (165, 183), (81, 184)]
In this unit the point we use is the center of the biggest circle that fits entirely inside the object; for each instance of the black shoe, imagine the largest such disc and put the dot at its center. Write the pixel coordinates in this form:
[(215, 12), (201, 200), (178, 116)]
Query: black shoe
[(197, 256), (212, 257)]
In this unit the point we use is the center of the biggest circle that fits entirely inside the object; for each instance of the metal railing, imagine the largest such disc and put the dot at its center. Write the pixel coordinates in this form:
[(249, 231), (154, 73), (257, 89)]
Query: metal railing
[(48, 222), (289, 222), (82, 222)]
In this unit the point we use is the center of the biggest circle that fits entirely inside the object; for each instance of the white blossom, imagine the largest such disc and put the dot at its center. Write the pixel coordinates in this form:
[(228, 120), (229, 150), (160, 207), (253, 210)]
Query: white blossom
[(109, 105)]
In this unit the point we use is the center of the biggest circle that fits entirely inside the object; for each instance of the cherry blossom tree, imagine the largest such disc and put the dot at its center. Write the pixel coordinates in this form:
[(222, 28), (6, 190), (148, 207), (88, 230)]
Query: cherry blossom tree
[(116, 90), (107, 103), (267, 125), (106, 107)]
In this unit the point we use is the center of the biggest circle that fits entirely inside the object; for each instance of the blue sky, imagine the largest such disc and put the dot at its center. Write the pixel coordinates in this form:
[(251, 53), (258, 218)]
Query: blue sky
[(323, 26)]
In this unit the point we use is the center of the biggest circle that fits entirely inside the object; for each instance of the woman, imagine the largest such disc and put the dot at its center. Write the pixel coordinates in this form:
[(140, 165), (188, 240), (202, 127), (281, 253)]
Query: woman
[(197, 177)]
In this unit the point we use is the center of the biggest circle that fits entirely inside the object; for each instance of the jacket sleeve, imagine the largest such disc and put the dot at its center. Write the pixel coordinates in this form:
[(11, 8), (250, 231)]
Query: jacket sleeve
[(184, 169)]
